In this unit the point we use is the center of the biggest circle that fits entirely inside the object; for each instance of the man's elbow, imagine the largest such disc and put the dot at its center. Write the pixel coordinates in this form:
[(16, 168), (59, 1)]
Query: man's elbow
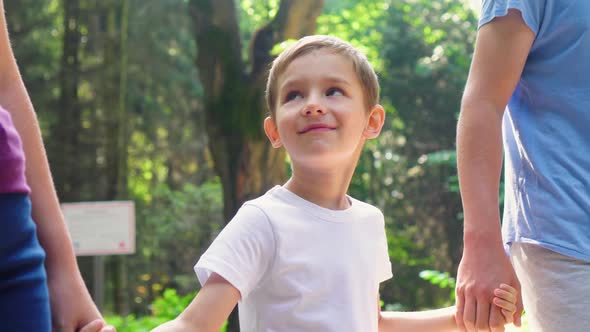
[(481, 104)]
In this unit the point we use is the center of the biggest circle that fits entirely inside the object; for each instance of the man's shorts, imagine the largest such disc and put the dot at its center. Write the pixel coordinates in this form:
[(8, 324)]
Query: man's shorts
[(555, 289)]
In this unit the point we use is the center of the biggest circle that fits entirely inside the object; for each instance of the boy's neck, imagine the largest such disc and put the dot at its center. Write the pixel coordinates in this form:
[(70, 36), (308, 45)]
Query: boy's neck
[(327, 189)]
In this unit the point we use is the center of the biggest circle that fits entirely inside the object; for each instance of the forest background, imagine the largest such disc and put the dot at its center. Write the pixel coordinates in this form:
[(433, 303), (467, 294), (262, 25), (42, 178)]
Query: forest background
[(160, 102)]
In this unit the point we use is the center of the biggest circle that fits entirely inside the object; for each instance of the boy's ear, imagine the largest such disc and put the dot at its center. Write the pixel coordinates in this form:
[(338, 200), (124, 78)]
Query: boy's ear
[(375, 122), (272, 132)]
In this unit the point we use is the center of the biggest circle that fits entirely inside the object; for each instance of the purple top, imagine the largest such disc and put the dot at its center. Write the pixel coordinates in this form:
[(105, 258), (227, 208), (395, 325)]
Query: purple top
[(12, 157)]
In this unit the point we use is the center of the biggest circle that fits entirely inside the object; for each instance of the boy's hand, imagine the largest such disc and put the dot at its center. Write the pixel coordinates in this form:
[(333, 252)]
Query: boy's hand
[(175, 325), (97, 325), (505, 298)]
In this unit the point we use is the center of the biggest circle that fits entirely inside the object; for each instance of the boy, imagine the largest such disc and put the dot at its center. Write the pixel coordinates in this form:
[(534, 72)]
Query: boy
[(306, 256)]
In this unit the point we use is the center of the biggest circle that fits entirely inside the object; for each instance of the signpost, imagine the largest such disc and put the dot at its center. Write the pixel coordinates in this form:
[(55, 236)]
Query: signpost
[(101, 228), (98, 229)]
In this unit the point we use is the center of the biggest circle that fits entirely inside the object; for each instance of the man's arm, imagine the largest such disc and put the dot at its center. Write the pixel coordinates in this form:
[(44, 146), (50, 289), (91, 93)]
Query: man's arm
[(500, 54), (71, 305), (209, 309)]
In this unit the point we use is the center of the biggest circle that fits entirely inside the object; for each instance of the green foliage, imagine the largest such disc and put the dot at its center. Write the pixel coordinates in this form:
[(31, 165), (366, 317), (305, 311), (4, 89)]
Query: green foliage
[(173, 230), (442, 280), (427, 50), (170, 305), (280, 47), (421, 49), (254, 14), (164, 308), (34, 27), (444, 158), (358, 22), (381, 178), (441, 157)]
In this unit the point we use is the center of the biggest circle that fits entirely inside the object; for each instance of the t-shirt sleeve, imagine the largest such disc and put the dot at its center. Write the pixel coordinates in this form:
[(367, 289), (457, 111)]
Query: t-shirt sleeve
[(530, 10), (242, 252), (383, 262)]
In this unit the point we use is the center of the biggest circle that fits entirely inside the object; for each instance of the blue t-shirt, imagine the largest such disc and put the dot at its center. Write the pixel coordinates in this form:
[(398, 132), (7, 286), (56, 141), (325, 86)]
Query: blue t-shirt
[(546, 129)]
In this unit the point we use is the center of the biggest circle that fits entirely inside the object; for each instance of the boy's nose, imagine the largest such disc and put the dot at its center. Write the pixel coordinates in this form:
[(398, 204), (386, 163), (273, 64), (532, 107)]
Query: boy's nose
[(313, 109)]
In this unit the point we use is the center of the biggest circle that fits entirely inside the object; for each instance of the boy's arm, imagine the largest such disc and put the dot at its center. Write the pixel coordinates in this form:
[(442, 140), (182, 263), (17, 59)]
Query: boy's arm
[(246, 247), (209, 309), (439, 320)]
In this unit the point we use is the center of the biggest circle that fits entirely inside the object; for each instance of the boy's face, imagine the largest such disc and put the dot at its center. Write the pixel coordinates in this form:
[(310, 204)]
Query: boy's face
[(320, 115)]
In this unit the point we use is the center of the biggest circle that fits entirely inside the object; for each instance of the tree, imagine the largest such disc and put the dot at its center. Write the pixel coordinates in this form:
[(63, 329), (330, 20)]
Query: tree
[(67, 175), (233, 89)]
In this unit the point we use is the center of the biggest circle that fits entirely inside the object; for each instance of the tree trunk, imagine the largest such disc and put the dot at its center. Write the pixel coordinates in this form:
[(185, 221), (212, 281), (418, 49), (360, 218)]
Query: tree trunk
[(114, 107), (122, 278), (68, 127), (123, 135)]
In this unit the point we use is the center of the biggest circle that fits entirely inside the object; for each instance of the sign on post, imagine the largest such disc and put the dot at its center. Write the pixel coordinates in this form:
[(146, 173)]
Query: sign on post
[(101, 228)]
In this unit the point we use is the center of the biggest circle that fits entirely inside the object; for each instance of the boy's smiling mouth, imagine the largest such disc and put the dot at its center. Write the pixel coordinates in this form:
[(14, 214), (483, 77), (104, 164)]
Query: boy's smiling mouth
[(316, 127)]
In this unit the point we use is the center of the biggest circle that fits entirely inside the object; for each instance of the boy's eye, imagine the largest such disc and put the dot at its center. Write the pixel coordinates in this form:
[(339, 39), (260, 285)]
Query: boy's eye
[(292, 95), (334, 92)]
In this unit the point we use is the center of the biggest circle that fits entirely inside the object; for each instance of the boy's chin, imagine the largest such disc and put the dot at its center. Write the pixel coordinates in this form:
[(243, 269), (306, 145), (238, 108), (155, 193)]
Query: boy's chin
[(322, 161)]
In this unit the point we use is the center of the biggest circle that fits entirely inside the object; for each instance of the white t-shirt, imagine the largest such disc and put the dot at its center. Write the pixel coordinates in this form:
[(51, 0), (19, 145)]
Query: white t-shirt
[(300, 267)]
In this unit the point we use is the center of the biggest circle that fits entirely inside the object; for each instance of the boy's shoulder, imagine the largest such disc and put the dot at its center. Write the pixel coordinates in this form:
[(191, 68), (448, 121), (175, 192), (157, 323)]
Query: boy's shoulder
[(365, 205), (279, 203), (270, 203), (269, 198)]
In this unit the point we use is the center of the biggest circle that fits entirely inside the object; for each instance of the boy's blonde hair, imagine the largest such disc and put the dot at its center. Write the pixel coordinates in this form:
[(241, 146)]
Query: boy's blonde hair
[(364, 71)]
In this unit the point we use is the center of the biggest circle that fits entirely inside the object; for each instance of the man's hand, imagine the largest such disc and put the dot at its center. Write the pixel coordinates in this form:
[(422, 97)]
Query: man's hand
[(481, 270)]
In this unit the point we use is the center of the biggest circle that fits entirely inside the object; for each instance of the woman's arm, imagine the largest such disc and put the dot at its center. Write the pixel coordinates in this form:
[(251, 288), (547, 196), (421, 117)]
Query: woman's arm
[(71, 305)]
